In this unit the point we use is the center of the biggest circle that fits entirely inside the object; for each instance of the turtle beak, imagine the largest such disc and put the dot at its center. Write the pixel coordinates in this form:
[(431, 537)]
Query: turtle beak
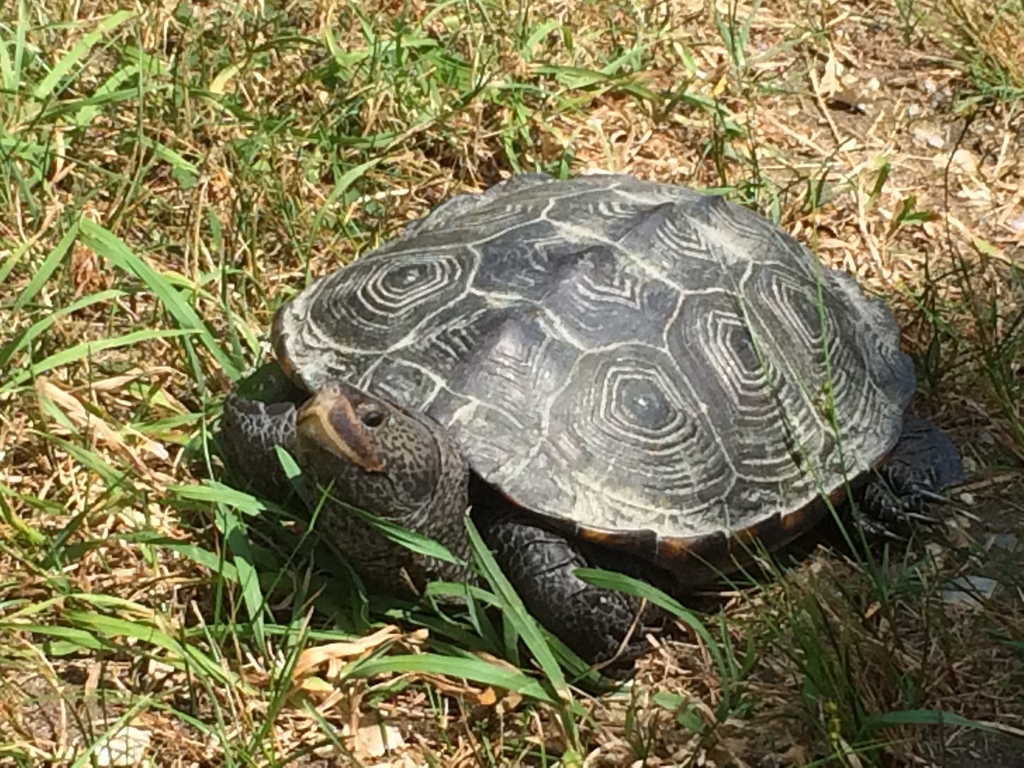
[(329, 421)]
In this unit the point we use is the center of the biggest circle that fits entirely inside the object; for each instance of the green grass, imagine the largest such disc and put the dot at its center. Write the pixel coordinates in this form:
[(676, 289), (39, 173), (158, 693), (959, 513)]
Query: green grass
[(169, 178)]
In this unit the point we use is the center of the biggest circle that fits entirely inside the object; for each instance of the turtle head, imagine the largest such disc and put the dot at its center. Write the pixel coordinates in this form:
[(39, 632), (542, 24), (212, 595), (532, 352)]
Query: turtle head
[(402, 466)]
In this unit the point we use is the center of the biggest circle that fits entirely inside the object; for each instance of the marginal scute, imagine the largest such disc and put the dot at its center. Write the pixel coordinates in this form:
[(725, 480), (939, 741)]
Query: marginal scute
[(654, 368), (641, 544)]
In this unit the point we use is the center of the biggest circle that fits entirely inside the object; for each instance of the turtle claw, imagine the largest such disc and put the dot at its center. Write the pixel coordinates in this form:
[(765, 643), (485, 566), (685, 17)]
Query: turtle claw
[(920, 517), (894, 505), (875, 528), (926, 494), (911, 502)]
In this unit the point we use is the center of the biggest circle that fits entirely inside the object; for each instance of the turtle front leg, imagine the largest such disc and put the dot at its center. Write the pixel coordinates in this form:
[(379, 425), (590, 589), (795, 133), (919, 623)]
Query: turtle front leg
[(923, 464), (596, 623)]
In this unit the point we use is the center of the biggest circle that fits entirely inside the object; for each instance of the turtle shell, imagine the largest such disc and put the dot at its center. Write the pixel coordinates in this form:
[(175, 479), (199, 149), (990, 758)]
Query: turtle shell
[(648, 365)]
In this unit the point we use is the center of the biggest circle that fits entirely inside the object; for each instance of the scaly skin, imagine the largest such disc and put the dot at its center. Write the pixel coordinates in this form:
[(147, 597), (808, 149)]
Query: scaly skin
[(393, 469), (594, 622), (922, 465)]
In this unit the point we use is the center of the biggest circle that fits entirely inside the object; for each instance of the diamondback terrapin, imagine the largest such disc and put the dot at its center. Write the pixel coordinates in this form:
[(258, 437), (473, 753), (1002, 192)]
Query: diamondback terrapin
[(606, 369)]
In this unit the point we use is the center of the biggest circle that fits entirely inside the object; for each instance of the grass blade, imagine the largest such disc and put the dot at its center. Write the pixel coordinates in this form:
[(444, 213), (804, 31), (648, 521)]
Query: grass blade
[(48, 84), (923, 717), (87, 349), (110, 247), (44, 323), (630, 585), (46, 269), (466, 668), (516, 613)]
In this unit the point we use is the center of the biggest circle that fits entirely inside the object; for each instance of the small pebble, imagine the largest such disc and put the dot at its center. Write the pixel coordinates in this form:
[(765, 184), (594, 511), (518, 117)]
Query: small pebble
[(969, 589), (1004, 541), (928, 138)]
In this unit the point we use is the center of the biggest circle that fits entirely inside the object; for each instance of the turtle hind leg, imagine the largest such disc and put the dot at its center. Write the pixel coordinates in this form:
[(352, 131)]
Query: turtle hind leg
[(600, 625), (923, 464)]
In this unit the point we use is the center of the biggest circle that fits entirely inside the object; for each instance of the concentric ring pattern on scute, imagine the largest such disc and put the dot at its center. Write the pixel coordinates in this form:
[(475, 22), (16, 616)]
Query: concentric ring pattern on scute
[(626, 355)]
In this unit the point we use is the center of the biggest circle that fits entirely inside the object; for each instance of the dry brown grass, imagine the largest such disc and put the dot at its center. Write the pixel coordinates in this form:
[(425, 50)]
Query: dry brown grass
[(885, 134)]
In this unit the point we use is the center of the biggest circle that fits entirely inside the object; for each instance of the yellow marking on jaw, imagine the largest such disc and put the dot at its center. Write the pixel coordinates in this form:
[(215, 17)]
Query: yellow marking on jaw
[(330, 420)]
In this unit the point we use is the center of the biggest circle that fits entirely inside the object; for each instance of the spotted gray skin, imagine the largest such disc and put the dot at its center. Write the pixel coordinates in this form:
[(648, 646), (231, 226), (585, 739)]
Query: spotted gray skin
[(633, 367), (362, 452)]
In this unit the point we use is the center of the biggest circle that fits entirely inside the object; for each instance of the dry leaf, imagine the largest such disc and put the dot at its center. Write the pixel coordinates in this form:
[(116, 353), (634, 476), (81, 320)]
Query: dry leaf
[(613, 754), (128, 746), (373, 739), (88, 422), (341, 651), (829, 84)]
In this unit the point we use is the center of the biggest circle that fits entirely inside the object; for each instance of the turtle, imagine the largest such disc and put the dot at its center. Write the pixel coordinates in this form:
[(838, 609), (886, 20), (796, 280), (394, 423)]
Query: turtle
[(606, 371)]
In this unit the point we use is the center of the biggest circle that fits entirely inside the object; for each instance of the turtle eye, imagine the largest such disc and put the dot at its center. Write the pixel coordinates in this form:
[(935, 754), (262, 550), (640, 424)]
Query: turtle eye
[(372, 418)]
